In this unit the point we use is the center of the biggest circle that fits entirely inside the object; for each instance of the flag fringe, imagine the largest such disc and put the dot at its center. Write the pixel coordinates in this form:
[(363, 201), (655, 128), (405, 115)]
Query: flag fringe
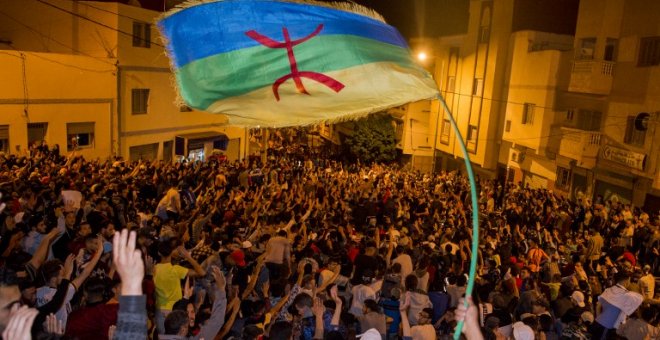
[(343, 6), (342, 119)]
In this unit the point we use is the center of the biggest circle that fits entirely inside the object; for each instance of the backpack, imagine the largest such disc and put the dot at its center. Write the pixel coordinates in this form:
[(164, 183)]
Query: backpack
[(390, 282)]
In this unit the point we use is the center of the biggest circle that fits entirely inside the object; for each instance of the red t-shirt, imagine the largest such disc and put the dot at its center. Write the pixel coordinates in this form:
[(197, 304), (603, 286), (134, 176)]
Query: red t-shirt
[(92, 322)]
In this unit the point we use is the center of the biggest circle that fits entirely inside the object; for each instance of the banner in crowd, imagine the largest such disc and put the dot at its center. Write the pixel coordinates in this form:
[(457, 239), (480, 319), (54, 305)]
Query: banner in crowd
[(280, 63)]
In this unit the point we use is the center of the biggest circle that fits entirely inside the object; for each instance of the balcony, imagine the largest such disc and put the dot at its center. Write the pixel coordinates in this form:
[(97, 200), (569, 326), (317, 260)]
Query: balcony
[(580, 145), (592, 76)]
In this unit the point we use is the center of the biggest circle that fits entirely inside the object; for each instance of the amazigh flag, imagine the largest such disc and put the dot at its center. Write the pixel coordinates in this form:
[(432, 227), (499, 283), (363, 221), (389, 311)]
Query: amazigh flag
[(281, 63)]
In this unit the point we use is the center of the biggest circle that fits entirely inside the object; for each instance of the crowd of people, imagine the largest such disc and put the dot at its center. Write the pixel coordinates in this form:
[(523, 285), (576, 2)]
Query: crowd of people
[(301, 248)]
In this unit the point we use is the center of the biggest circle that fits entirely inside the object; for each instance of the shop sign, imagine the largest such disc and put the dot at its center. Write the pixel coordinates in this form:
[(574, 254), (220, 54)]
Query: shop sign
[(625, 157)]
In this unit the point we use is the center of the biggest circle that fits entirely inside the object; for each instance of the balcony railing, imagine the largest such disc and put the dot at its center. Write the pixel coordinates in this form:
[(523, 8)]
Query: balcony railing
[(592, 76), (580, 145)]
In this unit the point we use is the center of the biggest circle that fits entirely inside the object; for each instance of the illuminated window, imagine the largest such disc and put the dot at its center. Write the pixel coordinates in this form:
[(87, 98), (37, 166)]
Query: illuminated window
[(79, 135)]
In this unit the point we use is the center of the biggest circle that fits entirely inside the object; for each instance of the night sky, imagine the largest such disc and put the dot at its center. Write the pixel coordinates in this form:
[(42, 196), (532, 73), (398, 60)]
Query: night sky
[(433, 18), (423, 18)]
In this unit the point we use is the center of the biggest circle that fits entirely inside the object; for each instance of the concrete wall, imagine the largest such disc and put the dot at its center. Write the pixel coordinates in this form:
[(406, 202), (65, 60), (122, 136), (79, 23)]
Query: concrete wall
[(536, 78), (61, 89)]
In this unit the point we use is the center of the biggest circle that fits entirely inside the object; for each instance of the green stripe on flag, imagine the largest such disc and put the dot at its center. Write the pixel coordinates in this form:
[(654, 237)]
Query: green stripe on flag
[(226, 75)]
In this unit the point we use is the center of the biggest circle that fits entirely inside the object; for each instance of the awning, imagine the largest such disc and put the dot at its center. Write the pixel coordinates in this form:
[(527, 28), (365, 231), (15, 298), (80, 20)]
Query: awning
[(196, 140), (206, 135)]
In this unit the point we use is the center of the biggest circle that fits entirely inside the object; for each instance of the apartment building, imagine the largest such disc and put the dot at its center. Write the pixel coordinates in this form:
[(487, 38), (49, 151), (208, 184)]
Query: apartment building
[(93, 76), (596, 105)]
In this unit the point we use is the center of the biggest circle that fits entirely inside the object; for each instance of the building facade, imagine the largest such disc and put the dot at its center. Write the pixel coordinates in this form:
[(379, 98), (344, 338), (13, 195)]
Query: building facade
[(598, 109), (94, 77)]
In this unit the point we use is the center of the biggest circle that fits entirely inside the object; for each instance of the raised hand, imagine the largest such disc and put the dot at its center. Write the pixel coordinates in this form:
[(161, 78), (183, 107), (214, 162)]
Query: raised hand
[(20, 324), (187, 289), (318, 308), (53, 325), (219, 277), (128, 261), (68, 266)]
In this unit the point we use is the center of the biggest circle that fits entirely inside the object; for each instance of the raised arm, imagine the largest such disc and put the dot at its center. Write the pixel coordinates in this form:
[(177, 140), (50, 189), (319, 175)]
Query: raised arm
[(80, 279), (197, 270), (132, 316), (41, 253), (211, 327)]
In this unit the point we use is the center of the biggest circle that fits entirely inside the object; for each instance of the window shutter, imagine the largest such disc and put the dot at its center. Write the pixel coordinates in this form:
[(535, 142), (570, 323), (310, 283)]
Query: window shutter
[(80, 128)]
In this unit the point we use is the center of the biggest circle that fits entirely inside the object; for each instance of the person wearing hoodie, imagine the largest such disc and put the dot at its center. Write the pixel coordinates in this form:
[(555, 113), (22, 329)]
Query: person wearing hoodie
[(419, 300)]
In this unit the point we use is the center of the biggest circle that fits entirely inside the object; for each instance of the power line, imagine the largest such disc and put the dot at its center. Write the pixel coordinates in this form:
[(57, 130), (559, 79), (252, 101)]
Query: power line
[(111, 12), (58, 62), (529, 138), (517, 103), (54, 40), (98, 23)]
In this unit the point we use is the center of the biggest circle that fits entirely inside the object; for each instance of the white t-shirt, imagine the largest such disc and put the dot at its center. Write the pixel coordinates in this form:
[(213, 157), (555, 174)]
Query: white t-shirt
[(361, 293), (406, 265), (45, 294)]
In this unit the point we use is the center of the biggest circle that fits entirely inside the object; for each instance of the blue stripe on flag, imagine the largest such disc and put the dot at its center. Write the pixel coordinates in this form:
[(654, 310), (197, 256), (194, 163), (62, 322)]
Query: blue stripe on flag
[(218, 27)]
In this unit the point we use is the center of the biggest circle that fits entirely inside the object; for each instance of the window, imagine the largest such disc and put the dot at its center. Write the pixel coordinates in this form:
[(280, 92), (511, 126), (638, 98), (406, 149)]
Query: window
[(478, 87), (185, 108), (569, 114), (451, 84), (611, 49), (484, 34), (634, 136), (507, 126), (141, 34), (79, 135), (168, 148), (528, 113), (444, 135), (589, 120), (139, 101), (587, 47), (563, 178), (4, 138), (472, 136), (649, 51), (37, 132)]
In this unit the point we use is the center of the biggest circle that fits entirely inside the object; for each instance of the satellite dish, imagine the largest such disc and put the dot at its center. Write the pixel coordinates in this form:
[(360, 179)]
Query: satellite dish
[(642, 121)]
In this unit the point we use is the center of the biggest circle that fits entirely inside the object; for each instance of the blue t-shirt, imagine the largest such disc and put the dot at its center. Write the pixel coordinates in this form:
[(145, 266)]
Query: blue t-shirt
[(391, 309)]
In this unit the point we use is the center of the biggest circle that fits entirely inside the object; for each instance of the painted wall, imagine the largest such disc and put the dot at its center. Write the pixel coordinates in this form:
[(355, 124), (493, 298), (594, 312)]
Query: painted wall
[(60, 89)]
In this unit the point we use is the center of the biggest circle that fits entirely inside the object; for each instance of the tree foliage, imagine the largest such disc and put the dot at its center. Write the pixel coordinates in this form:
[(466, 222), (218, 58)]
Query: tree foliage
[(373, 139)]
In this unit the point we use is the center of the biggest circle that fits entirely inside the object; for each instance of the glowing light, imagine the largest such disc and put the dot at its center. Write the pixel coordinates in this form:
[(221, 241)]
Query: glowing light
[(422, 56)]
